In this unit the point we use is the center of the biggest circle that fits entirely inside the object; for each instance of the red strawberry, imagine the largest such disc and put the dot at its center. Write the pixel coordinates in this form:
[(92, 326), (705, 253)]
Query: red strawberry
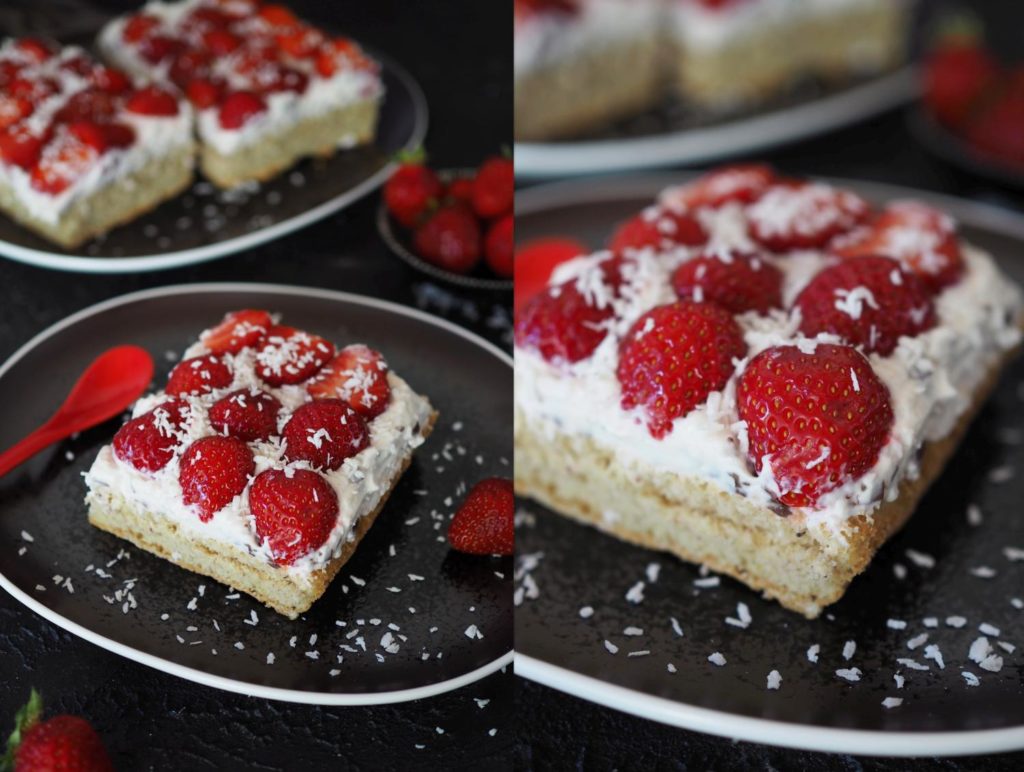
[(460, 189), (819, 419), (301, 43), (220, 42), (152, 100), (657, 227), (450, 239), (483, 524), (35, 49), (111, 80), (278, 16), (278, 77), (62, 162), (804, 215), (325, 432), (411, 190), (36, 89), (240, 329), (358, 376), (673, 357), (342, 54), (239, 108), (248, 414), (156, 48), (498, 246), (148, 442), (294, 511), (20, 147), (203, 92), (103, 137), (870, 302), (736, 281), (923, 239), (956, 75), (213, 471), (198, 375), (527, 8), (65, 743), (998, 130), (138, 26), (13, 110), (562, 324), (494, 188), (188, 65), (534, 262), (291, 356), (91, 104), (741, 183)]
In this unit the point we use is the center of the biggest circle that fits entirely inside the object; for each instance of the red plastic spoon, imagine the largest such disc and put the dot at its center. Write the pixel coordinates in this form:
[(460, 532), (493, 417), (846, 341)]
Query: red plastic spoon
[(114, 380)]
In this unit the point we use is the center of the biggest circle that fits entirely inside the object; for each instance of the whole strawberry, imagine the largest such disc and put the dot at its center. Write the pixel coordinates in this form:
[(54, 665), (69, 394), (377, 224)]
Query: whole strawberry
[(213, 471), (956, 75), (293, 511), (819, 418), (673, 357), (658, 227), (736, 281), (494, 188), (804, 215), (450, 239), (483, 524), (59, 744), (562, 324), (412, 189), (870, 302), (498, 246)]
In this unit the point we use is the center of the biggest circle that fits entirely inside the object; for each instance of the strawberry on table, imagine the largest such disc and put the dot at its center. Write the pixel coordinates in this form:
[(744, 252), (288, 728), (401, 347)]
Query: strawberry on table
[(62, 743), (534, 262), (563, 324), (736, 281), (870, 302), (325, 432), (449, 239), (412, 190), (290, 356), (294, 511), (494, 188), (213, 471), (498, 246), (484, 522), (239, 329), (148, 441), (658, 227), (804, 215), (818, 418), (358, 376), (198, 375), (248, 414), (923, 239), (673, 357)]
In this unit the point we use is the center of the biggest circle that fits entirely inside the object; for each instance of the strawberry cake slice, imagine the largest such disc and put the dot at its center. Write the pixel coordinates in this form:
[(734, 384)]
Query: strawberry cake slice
[(82, 148), (762, 375), (264, 460), (268, 89)]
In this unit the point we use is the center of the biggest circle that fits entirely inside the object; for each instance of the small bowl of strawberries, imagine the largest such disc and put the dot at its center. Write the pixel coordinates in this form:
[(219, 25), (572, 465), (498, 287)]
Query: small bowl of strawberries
[(455, 225), (972, 108)]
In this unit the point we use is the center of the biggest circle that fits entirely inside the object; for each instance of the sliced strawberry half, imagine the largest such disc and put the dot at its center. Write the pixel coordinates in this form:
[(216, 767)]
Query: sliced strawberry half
[(240, 329), (819, 419), (673, 357), (923, 239), (804, 215), (358, 376), (289, 355)]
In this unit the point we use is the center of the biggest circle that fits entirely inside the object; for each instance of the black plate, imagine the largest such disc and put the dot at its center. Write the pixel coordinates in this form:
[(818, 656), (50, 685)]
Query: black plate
[(466, 379), (955, 150), (205, 223), (581, 567)]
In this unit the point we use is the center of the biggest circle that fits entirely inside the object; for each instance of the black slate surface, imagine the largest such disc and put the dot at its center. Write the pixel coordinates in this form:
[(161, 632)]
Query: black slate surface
[(460, 52)]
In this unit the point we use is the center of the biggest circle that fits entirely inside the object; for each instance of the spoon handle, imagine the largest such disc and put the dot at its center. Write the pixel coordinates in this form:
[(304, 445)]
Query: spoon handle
[(28, 447)]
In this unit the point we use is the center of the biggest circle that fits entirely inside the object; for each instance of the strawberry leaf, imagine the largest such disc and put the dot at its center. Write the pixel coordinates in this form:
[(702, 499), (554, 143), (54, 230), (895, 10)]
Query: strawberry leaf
[(26, 718)]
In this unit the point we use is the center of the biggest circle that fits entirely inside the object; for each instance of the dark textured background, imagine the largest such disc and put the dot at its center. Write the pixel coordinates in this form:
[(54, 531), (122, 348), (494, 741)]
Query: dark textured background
[(558, 731), (460, 51)]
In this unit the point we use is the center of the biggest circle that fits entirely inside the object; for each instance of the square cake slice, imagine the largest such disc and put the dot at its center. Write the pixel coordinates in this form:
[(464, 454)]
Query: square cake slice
[(82, 149), (263, 462), (762, 375), (267, 88)]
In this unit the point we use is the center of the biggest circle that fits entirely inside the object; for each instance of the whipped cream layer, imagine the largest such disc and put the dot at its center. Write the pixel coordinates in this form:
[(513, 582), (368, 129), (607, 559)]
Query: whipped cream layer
[(285, 109), (546, 39), (931, 378), (155, 137), (360, 482)]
